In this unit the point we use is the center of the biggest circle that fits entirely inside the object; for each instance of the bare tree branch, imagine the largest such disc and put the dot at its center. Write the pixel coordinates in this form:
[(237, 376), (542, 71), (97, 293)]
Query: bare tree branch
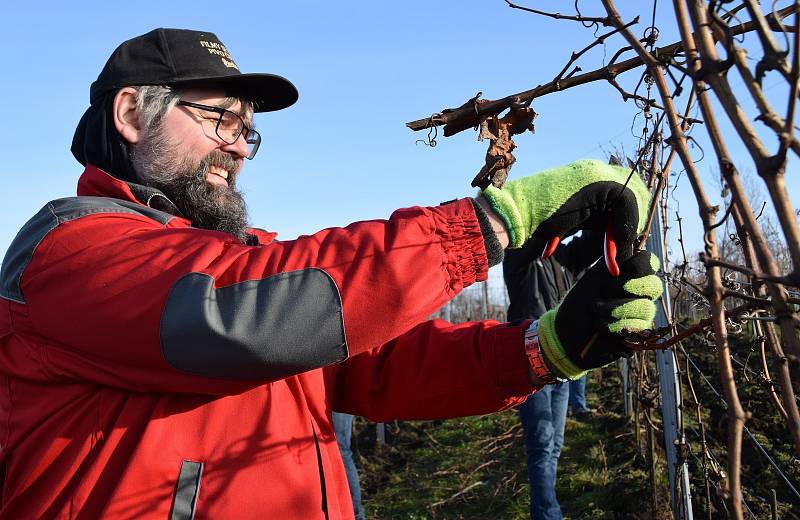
[(559, 16), (461, 118)]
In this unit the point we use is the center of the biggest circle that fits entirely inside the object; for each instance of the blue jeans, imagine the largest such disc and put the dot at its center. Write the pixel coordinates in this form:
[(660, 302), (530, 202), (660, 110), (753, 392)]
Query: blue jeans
[(543, 416), (343, 426), (577, 395)]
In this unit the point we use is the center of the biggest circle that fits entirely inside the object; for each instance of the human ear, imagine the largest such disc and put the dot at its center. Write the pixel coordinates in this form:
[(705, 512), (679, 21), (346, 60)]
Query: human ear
[(126, 117)]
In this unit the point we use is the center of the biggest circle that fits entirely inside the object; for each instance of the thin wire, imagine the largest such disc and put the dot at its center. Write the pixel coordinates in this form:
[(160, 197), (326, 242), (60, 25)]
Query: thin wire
[(772, 462), (747, 430), (771, 382), (718, 465)]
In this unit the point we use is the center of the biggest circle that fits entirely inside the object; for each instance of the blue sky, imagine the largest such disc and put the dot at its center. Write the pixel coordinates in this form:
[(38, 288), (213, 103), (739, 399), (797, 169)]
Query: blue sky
[(363, 69)]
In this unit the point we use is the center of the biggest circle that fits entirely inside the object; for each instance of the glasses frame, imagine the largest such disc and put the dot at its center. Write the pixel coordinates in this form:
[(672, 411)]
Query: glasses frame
[(251, 137)]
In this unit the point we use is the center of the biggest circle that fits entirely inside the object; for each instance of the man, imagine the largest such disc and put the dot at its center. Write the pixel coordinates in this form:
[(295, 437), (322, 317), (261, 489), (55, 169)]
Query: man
[(161, 359), (534, 287)]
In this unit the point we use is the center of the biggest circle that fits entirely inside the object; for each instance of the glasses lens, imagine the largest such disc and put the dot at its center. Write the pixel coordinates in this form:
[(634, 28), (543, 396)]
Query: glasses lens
[(253, 140), (229, 127)]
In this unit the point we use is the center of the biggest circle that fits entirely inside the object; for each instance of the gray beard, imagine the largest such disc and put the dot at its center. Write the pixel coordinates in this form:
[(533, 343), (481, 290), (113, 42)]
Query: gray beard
[(208, 206)]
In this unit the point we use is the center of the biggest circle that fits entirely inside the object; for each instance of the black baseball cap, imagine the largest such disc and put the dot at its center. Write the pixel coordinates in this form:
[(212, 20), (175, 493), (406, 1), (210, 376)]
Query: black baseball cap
[(180, 57)]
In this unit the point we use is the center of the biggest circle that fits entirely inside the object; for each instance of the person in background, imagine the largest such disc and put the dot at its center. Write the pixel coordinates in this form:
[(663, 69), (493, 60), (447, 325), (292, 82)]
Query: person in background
[(343, 427), (578, 408), (536, 285)]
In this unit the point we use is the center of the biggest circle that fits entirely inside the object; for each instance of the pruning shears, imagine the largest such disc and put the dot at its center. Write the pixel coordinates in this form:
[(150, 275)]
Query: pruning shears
[(609, 248)]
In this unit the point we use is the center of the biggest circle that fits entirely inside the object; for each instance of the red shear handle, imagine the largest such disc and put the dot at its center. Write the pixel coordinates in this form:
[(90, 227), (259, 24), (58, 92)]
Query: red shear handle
[(610, 250), (551, 246)]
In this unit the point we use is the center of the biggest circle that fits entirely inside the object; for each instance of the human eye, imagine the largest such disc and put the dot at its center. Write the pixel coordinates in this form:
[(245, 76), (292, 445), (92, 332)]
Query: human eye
[(230, 120)]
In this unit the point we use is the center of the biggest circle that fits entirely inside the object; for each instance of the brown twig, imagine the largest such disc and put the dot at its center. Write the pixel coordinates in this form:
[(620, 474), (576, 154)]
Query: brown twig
[(708, 43), (787, 391), (750, 229), (700, 326), (768, 116), (456, 495), (772, 56), (461, 118), (787, 136), (743, 269), (736, 415), (701, 424), (661, 177), (769, 167), (762, 357), (598, 41), (559, 16)]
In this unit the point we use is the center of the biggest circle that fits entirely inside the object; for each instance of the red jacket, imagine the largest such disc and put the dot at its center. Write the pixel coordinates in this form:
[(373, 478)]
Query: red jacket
[(149, 369)]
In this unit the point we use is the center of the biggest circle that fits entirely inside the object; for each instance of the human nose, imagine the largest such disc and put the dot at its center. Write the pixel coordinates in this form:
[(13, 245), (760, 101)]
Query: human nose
[(239, 147)]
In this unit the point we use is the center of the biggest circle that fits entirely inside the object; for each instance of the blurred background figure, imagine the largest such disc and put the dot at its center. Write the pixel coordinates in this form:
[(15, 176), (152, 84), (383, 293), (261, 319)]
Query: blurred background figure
[(536, 285), (577, 400), (343, 426)]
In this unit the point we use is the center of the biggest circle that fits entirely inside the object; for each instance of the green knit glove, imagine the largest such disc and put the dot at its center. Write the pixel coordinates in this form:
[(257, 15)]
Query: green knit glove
[(585, 330), (580, 195)]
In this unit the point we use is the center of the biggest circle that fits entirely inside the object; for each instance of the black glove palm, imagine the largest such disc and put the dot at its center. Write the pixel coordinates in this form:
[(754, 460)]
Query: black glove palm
[(584, 331)]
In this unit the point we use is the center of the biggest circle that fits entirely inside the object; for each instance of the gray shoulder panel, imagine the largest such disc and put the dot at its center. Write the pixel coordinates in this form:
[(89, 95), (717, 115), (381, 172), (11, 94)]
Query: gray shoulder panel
[(57, 212), (264, 329)]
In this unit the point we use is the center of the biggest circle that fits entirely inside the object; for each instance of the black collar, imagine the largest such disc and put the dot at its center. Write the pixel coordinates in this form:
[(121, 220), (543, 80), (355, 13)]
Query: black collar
[(154, 198)]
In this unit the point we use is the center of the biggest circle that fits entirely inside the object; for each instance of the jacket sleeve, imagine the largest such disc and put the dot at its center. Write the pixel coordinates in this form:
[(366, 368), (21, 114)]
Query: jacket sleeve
[(124, 300), (436, 371)]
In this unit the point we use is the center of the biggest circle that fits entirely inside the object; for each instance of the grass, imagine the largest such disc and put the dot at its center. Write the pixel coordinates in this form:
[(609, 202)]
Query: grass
[(475, 468), (461, 468), (759, 479)]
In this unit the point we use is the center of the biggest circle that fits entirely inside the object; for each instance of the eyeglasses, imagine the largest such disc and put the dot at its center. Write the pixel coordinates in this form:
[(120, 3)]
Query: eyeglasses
[(228, 126)]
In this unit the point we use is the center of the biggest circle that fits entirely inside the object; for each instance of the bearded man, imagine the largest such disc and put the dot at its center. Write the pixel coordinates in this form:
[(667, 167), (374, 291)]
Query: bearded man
[(161, 359)]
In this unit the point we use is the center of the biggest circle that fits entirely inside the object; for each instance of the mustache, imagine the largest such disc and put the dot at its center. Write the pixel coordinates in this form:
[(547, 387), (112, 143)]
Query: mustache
[(222, 160)]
